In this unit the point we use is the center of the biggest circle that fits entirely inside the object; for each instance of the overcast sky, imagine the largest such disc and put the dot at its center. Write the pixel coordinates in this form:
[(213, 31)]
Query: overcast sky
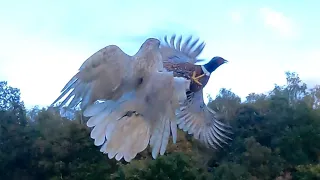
[(43, 42)]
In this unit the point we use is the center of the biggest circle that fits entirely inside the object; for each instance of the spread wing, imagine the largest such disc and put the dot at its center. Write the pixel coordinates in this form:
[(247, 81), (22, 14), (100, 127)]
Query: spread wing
[(178, 52), (146, 116), (196, 118), (100, 77)]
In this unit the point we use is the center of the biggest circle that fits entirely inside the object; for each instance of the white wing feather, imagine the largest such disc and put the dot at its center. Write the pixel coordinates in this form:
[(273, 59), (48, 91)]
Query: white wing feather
[(99, 77)]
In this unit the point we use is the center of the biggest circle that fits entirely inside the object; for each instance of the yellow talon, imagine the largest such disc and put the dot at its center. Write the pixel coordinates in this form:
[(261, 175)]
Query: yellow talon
[(196, 79)]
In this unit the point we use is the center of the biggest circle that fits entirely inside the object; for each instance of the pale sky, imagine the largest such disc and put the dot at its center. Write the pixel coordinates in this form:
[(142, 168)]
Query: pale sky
[(43, 43)]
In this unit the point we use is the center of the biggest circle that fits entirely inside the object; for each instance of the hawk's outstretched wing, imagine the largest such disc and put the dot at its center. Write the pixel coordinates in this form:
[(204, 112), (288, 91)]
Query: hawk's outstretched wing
[(107, 74), (100, 76)]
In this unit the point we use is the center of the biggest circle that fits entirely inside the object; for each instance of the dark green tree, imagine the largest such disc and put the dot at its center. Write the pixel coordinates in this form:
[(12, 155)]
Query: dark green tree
[(276, 136)]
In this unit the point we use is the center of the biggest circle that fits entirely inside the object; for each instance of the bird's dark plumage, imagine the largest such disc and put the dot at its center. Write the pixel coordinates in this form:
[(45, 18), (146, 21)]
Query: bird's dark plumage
[(193, 115), (182, 61)]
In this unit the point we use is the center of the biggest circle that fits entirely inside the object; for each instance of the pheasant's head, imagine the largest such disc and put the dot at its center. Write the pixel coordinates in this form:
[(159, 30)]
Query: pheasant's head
[(214, 63)]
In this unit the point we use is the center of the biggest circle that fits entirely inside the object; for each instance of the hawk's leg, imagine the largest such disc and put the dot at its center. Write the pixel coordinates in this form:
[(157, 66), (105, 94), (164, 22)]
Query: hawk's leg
[(196, 78)]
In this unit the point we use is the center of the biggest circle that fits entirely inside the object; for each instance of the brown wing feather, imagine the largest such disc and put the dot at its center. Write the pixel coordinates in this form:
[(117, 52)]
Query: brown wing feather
[(99, 77), (185, 70)]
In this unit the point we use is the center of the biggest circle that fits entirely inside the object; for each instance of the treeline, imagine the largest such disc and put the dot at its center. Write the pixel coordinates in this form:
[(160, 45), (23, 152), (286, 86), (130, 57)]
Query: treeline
[(276, 136)]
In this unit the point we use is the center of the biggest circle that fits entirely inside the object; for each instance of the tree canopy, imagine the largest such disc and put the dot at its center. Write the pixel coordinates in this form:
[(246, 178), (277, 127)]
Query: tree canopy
[(275, 136)]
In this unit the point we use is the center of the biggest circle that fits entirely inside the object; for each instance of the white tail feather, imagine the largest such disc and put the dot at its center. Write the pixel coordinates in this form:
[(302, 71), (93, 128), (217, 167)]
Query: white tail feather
[(174, 131), (160, 137), (120, 135), (129, 137)]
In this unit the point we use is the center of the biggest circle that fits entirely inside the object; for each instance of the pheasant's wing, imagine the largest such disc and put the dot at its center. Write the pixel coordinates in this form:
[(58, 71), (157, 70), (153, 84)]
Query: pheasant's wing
[(196, 118), (146, 116), (99, 77), (178, 52)]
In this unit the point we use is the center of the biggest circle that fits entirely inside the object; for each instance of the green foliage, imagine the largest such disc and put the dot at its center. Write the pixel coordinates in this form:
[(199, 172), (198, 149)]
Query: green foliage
[(230, 171), (52, 148), (172, 166), (9, 96), (308, 172), (226, 103), (276, 136)]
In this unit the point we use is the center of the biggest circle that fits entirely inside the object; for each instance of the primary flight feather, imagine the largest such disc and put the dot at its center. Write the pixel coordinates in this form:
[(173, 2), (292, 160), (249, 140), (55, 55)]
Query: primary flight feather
[(109, 73)]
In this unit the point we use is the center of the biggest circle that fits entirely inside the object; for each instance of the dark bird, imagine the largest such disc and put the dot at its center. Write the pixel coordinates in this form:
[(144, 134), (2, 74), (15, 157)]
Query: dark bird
[(183, 61), (194, 116)]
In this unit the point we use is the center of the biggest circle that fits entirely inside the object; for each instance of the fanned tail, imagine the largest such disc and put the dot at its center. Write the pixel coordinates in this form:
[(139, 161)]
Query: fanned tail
[(130, 135), (122, 132)]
